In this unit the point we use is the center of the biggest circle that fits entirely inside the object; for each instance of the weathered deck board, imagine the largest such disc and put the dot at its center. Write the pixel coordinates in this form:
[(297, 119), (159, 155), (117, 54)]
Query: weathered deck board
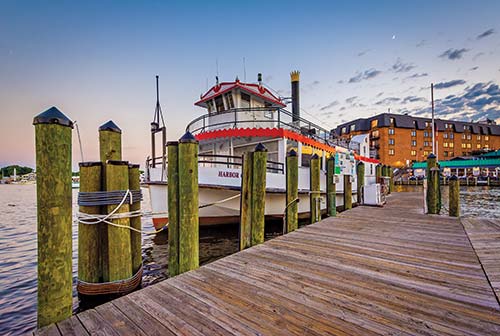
[(484, 235), (369, 271)]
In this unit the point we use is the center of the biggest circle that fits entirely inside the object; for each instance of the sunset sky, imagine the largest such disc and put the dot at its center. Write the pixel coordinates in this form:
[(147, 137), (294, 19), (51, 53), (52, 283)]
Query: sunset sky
[(97, 60)]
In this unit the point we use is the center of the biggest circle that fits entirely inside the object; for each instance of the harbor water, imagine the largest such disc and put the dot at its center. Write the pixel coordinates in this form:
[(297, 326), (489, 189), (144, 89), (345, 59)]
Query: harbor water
[(18, 248)]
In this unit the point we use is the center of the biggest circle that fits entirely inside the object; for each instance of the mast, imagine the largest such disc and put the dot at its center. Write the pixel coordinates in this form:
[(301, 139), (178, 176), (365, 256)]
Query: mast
[(433, 131), (155, 127)]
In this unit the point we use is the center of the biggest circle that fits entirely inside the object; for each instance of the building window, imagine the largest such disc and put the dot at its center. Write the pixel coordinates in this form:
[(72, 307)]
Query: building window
[(413, 153), (426, 153), (391, 141), (426, 143), (391, 120), (353, 127), (478, 138), (451, 144), (486, 146), (375, 134), (469, 137), (344, 130), (446, 154), (414, 143), (426, 134), (229, 100), (464, 145), (391, 131), (445, 135), (413, 133), (469, 145), (486, 138), (452, 135), (463, 136), (478, 146), (374, 123), (451, 154), (445, 144), (427, 124), (391, 151)]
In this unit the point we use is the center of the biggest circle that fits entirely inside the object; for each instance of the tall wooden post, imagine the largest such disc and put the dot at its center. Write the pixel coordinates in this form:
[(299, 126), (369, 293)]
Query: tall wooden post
[(378, 173), (391, 179), (119, 243), (259, 194), (433, 192), (110, 148), (134, 184), (454, 196), (188, 204), (89, 261), (173, 208), (54, 215), (331, 192), (347, 192), (360, 171), (315, 195), (253, 196), (292, 191)]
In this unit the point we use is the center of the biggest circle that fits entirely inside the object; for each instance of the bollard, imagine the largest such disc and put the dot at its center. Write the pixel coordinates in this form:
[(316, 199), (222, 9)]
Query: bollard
[(119, 243), (347, 192), (173, 208), (134, 183), (315, 195), (331, 192), (454, 197), (292, 191), (360, 170), (259, 193), (89, 261), (188, 204), (54, 215), (110, 148), (433, 194)]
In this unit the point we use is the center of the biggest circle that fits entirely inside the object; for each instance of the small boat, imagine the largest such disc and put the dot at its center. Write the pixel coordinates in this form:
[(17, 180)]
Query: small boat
[(238, 117)]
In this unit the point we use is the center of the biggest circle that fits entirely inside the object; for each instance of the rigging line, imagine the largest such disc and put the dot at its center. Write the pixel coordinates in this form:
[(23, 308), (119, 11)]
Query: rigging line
[(79, 140)]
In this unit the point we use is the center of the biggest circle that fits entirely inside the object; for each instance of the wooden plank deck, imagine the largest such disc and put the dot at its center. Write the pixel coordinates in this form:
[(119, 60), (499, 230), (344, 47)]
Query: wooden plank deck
[(484, 235), (369, 271)]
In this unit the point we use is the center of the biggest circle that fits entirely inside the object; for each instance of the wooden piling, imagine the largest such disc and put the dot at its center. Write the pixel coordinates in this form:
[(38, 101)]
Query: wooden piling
[(188, 204), (360, 171), (391, 179), (315, 195), (347, 192), (89, 261), (433, 195), (378, 172), (245, 233), (173, 208), (292, 191), (454, 197), (134, 183), (54, 215), (110, 148), (331, 187), (259, 193), (119, 243)]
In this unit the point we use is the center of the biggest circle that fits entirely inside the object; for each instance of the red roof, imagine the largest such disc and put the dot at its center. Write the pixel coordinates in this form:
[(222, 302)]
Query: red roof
[(253, 89)]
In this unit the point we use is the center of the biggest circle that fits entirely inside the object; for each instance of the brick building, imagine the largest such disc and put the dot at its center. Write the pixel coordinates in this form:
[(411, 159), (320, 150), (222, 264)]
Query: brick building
[(398, 140)]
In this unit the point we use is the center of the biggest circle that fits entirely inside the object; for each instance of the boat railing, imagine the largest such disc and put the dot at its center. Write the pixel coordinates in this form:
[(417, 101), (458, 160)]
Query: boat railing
[(217, 160), (258, 117)]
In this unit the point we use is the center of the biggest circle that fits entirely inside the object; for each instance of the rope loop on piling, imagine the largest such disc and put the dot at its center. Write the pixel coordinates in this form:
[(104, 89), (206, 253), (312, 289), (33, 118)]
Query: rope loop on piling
[(98, 198), (113, 287)]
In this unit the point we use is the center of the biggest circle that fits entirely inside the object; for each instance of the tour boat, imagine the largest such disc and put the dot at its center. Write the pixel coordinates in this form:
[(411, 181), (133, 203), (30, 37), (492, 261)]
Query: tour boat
[(238, 117)]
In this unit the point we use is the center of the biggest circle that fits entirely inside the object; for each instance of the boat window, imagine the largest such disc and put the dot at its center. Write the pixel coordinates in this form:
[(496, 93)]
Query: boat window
[(245, 100), (210, 106), (219, 104), (229, 100)]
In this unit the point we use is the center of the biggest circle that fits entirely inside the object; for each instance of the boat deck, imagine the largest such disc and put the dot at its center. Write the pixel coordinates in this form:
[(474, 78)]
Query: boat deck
[(369, 271)]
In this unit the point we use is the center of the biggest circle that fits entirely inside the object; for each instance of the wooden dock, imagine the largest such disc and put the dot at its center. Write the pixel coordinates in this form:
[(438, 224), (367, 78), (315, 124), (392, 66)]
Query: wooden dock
[(369, 271)]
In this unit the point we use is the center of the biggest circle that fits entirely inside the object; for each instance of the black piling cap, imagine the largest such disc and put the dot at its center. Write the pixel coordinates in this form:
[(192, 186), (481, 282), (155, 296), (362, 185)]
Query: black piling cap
[(260, 148), (52, 116), (453, 178), (117, 163), (292, 153), (172, 143), (133, 165), (90, 164), (431, 156), (315, 156), (110, 126), (188, 138)]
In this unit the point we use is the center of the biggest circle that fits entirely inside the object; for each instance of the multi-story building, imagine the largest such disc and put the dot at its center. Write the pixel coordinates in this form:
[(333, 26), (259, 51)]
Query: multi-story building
[(398, 140)]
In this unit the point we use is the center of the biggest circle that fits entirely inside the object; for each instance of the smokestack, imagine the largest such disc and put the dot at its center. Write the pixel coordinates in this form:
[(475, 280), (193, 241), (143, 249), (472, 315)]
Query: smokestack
[(294, 75)]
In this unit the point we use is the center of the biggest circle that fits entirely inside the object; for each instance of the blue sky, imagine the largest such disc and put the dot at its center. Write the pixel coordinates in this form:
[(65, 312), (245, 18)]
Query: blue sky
[(96, 60)]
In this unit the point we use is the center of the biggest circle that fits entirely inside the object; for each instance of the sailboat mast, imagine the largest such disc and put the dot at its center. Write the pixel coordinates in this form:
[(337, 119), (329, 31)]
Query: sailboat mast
[(433, 126)]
